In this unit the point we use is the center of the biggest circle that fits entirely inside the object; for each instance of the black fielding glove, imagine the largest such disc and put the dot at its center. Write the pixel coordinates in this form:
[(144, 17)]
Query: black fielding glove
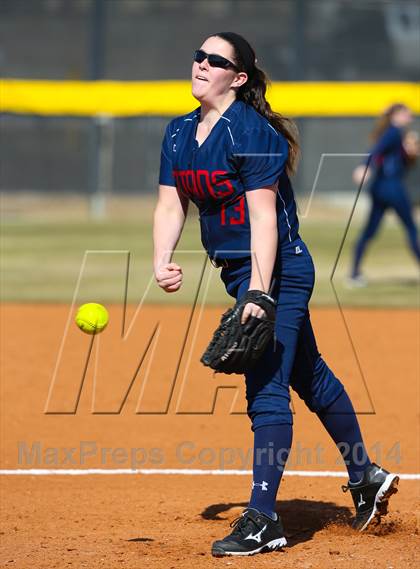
[(236, 347)]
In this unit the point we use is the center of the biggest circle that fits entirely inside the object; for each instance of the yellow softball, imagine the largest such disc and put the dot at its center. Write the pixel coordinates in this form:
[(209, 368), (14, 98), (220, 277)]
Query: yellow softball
[(92, 318)]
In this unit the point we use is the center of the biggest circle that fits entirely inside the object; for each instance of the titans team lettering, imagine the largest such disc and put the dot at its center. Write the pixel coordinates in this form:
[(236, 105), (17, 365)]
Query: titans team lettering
[(200, 184)]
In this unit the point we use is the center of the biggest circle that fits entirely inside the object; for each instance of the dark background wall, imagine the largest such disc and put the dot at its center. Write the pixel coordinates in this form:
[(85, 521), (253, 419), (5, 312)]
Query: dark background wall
[(344, 40), (325, 40)]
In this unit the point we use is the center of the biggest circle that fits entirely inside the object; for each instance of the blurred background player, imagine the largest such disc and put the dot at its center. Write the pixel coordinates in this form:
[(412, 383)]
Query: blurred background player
[(393, 152)]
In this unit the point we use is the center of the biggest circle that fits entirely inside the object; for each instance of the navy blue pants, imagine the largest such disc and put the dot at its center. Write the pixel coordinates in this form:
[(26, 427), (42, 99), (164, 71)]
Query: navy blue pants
[(293, 359), (387, 195)]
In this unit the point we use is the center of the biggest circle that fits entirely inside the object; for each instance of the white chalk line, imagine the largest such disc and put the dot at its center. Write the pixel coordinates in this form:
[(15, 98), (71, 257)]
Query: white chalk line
[(176, 471)]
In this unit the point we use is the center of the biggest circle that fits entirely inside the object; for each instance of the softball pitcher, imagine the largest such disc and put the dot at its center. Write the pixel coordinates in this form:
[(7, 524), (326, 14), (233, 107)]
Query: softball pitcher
[(232, 156)]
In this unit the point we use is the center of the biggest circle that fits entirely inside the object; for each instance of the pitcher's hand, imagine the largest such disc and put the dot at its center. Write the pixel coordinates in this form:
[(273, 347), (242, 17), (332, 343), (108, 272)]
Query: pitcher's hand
[(252, 309), (169, 277)]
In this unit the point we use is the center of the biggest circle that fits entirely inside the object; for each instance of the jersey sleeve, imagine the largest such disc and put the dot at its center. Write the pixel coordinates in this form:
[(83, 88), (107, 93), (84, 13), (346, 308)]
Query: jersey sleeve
[(166, 177), (388, 142), (262, 157)]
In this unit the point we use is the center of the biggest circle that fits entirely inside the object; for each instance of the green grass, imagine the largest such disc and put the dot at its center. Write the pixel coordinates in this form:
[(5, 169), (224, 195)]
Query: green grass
[(41, 261)]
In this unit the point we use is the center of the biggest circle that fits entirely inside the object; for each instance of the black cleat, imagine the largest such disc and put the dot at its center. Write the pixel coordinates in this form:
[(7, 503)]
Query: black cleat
[(371, 495), (253, 532)]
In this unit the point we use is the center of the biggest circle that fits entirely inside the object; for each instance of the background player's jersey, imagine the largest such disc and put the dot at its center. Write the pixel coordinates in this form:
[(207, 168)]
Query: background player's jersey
[(388, 156), (243, 152)]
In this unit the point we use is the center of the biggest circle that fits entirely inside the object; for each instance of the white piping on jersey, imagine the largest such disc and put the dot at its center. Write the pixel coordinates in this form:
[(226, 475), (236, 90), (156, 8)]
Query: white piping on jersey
[(224, 118), (228, 127), (285, 213), (233, 142), (193, 117), (174, 144), (177, 130), (272, 128)]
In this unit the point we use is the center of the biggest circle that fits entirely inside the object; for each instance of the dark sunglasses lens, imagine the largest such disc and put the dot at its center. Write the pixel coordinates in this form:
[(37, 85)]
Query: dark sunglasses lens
[(199, 56), (218, 61)]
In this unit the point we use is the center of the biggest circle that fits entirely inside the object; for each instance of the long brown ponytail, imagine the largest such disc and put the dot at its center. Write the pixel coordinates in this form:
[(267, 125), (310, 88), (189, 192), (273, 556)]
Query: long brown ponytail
[(253, 93), (383, 122)]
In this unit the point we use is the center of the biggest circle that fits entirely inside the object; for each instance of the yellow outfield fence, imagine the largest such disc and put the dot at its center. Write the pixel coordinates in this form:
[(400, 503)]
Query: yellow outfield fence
[(124, 99)]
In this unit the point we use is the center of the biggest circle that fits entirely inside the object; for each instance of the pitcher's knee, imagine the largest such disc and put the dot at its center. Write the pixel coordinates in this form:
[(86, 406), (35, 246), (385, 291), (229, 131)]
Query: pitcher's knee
[(264, 419), (317, 402), (269, 411), (319, 391)]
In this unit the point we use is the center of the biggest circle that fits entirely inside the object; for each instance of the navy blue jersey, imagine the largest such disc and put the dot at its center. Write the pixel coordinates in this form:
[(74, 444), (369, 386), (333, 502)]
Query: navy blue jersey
[(243, 152), (388, 157)]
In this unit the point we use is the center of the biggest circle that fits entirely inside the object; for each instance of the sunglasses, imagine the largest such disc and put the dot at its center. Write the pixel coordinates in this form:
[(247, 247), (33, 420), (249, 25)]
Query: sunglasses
[(214, 60)]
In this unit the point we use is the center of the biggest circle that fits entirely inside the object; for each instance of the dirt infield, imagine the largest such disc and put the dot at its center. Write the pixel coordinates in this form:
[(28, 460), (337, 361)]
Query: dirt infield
[(51, 419)]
